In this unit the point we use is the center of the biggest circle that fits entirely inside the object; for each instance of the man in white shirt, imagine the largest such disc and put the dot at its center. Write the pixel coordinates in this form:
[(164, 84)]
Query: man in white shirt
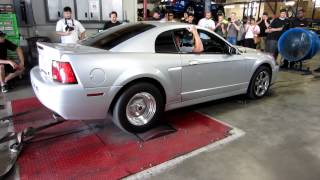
[(70, 30), (207, 22)]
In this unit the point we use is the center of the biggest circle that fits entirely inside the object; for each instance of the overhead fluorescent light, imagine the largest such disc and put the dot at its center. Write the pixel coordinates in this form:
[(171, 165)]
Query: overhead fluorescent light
[(317, 3), (290, 3), (229, 6)]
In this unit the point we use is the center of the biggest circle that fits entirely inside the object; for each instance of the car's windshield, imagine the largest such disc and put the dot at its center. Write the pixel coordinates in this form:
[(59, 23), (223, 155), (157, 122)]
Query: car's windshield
[(112, 37)]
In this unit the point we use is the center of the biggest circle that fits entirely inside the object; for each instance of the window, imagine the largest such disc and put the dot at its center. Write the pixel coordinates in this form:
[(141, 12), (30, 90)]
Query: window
[(212, 44), (111, 38), (184, 40), (165, 44)]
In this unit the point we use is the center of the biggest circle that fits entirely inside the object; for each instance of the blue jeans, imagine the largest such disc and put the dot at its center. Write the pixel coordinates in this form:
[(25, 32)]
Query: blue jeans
[(232, 40)]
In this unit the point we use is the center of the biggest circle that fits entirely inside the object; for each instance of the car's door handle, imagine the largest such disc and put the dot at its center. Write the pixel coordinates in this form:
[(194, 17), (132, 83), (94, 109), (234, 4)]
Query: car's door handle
[(193, 62)]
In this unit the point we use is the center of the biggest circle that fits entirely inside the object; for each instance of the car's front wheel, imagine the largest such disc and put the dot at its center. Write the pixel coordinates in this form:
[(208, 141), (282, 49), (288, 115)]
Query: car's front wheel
[(138, 108), (260, 83)]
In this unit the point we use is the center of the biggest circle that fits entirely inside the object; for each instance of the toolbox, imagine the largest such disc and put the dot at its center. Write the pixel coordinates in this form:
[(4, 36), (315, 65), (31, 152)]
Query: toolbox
[(9, 25)]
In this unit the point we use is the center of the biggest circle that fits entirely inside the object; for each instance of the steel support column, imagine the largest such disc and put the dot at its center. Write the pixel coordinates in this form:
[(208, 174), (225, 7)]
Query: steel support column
[(207, 5), (297, 7), (145, 9), (259, 8), (314, 9), (269, 5)]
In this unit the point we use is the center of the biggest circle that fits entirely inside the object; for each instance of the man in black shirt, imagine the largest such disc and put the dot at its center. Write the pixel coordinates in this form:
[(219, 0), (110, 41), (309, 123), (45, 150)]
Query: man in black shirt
[(274, 31), (190, 19), (8, 68), (263, 24), (300, 20), (113, 21)]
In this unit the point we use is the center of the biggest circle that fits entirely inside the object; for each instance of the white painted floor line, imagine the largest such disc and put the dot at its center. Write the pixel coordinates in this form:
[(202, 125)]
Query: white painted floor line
[(235, 134)]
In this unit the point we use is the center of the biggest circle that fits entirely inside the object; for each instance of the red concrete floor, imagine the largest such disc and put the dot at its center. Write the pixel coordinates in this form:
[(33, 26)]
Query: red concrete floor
[(99, 150)]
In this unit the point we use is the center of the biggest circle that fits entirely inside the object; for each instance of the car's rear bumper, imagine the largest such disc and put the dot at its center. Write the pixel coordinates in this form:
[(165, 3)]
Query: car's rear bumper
[(72, 101)]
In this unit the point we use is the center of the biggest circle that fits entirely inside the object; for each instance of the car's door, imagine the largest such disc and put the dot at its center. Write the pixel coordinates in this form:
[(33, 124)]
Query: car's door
[(168, 61), (214, 71)]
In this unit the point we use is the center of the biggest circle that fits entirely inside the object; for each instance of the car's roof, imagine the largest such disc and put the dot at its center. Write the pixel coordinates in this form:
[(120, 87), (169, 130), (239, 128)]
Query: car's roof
[(163, 24), (145, 41)]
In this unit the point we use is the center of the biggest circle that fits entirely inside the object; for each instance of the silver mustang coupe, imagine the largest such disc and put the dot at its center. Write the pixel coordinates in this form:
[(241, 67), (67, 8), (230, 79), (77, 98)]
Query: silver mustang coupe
[(137, 71)]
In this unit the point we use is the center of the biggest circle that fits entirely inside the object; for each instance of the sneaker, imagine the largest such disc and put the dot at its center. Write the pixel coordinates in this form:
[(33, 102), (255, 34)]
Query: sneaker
[(4, 88)]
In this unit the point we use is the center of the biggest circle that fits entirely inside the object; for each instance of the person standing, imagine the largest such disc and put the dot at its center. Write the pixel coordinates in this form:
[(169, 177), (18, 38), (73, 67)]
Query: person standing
[(242, 31), (220, 26), (190, 19), (233, 29), (300, 20), (252, 32), (8, 68), (156, 16), (263, 25), (184, 19), (69, 29), (274, 31), (113, 21), (207, 22), (169, 17)]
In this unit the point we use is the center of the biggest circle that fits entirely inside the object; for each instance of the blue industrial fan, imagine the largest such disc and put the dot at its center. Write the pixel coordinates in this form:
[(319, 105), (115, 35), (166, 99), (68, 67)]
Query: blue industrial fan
[(298, 44)]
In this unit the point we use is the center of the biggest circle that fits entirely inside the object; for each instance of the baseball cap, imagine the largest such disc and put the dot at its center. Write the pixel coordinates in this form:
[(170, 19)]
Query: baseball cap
[(2, 34)]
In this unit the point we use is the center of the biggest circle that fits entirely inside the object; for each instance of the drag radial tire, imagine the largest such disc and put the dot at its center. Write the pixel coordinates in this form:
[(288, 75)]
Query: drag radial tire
[(138, 108), (260, 83)]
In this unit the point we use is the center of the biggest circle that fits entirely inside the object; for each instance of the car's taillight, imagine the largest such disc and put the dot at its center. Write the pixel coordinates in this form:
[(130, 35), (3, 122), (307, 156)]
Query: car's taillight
[(63, 72)]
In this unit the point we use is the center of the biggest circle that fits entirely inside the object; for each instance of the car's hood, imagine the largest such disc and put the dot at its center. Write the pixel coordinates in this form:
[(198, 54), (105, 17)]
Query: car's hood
[(246, 50), (253, 53)]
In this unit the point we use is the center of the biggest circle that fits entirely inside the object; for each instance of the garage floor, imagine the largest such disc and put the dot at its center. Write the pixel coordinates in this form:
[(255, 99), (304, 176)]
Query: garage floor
[(282, 134)]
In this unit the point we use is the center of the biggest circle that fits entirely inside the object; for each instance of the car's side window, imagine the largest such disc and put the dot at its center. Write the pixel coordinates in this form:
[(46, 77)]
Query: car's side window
[(211, 43), (165, 43), (184, 40)]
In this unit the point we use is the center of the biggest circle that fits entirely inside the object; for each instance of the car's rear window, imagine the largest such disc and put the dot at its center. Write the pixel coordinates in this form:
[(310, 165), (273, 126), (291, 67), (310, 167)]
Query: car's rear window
[(110, 38)]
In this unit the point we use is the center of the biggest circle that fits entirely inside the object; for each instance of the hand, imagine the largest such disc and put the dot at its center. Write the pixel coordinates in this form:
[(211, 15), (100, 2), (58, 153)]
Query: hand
[(13, 64), (192, 29), (67, 33), (21, 66)]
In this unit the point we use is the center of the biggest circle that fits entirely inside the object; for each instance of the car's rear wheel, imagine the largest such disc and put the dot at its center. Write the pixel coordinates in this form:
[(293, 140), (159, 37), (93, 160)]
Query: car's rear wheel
[(260, 83), (138, 108)]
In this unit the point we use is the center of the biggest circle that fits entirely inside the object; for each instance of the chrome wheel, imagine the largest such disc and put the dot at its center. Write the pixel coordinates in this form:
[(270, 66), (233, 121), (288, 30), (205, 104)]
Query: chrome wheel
[(262, 83), (141, 108)]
